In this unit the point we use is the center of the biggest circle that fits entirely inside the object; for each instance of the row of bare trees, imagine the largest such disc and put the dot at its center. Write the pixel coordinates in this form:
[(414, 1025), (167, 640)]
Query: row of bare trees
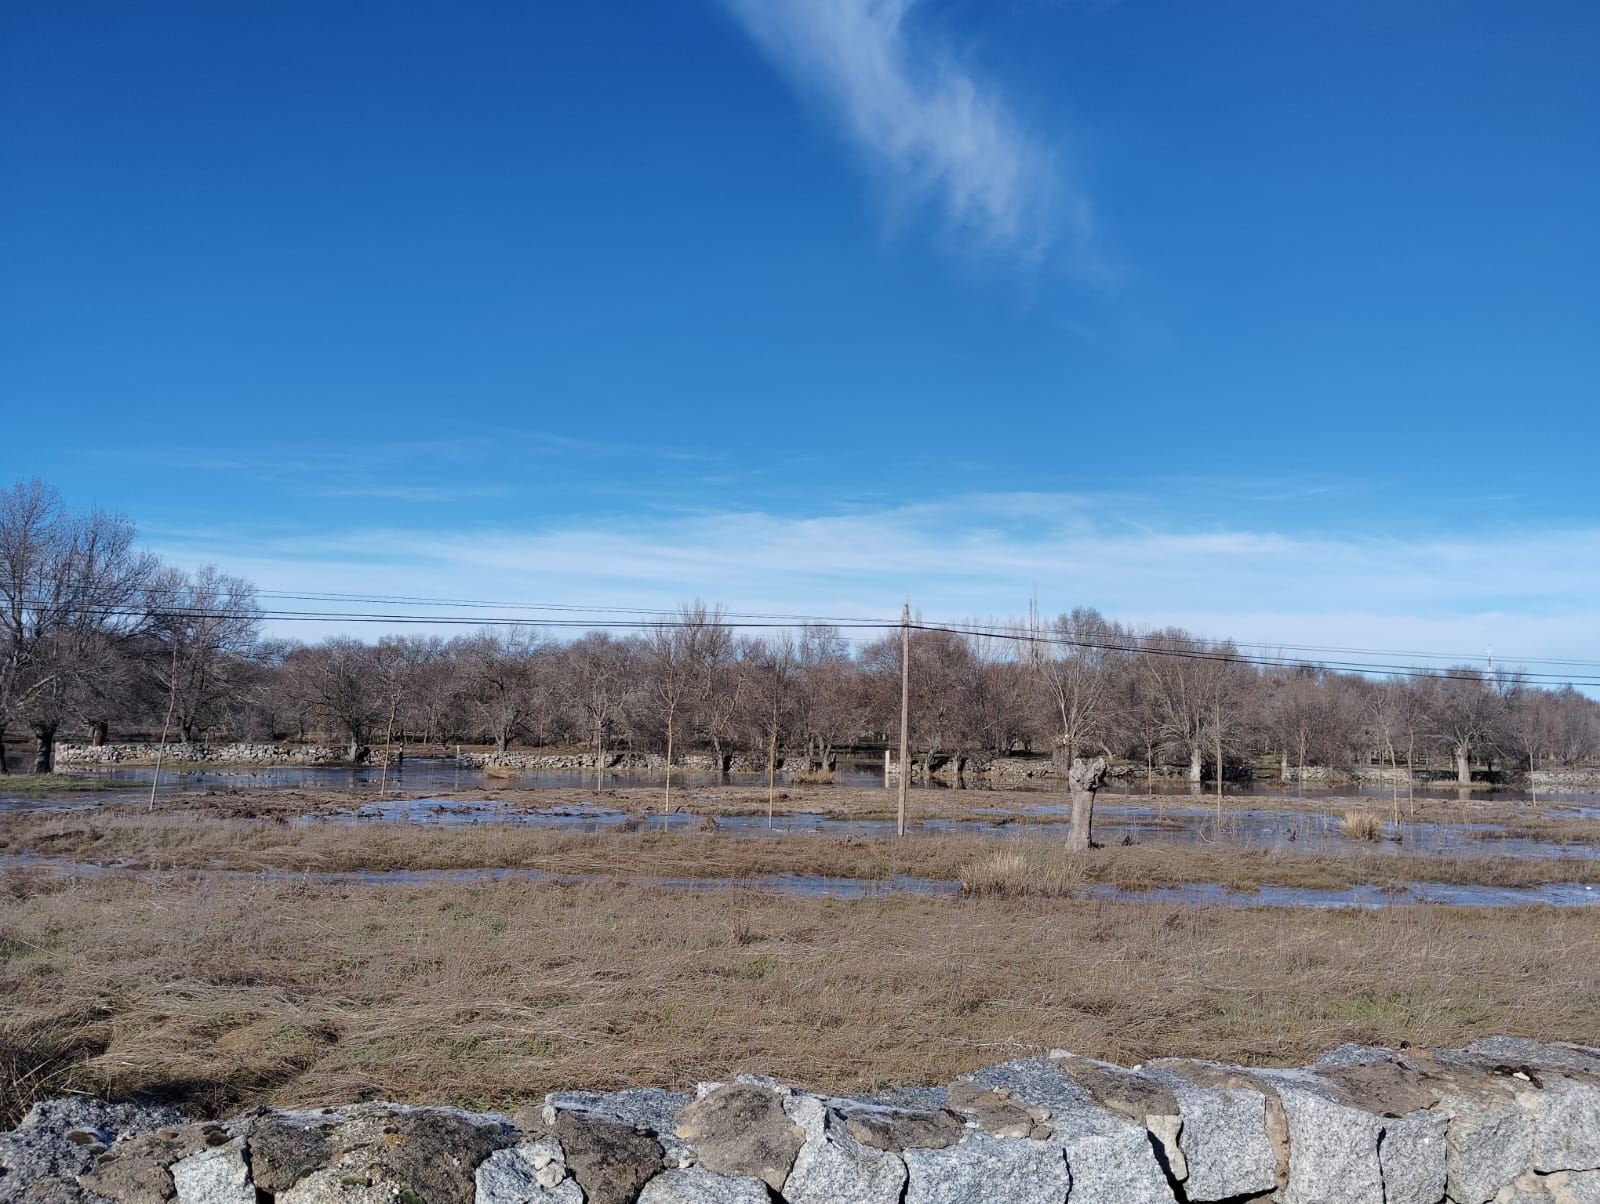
[(93, 630), (1167, 699), (99, 635)]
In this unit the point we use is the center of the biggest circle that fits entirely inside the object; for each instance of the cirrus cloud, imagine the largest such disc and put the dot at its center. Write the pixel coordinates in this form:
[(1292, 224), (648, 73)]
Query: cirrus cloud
[(922, 119)]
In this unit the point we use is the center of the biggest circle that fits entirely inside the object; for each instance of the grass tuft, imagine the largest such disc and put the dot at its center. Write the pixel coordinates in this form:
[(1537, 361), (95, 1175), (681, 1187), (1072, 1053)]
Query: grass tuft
[(1012, 874), (1361, 825)]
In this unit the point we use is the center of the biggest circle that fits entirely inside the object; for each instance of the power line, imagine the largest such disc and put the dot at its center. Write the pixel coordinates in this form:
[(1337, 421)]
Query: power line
[(1199, 649), (1266, 650)]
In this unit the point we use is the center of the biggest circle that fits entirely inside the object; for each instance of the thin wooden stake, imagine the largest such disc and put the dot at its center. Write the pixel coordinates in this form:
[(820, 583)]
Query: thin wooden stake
[(172, 703)]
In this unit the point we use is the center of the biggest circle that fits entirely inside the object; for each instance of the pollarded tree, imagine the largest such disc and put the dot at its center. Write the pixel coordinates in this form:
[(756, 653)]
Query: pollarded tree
[(1465, 715)]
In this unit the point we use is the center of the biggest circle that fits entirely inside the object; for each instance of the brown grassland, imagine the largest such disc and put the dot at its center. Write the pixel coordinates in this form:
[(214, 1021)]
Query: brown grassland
[(216, 991)]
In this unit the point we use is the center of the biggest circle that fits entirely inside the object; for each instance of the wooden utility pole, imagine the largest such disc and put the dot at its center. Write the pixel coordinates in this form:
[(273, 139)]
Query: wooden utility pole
[(905, 715)]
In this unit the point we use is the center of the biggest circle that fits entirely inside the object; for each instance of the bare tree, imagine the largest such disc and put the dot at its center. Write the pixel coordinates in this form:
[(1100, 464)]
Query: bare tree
[(1465, 715), (828, 703), (1173, 677), (500, 671), (1074, 669), (72, 598), (1576, 734), (339, 685), (770, 697), (678, 656), (598, 687), (202, 626), (1000, 699)]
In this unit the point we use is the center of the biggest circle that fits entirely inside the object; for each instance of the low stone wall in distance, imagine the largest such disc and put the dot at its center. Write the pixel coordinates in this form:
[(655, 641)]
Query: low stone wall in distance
[(221, 754), (1576, 780), (1506, 1120), (648, 762)]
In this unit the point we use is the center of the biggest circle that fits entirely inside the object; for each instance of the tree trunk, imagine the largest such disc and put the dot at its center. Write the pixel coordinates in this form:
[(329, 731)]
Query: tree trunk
[(1283, 771), (501, 742), (1081, 833), (666, 806), (1411, 775), (4, 768), (98, 731), (1463, 766), (1394, 785), (44, 749), (1219, 769), (772, 770), (1195, 763), (1083, 779), (599, 755), (186, 729)]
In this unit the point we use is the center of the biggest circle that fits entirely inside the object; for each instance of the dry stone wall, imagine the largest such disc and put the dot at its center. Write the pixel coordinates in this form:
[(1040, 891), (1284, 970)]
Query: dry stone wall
[(1578, 780), (655, 762), (221, 754), (1504, 1121)]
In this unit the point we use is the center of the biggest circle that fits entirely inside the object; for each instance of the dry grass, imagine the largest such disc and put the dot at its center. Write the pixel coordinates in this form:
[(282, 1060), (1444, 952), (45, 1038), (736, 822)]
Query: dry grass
[(217, 994), (55, 783), (1361, 825), (1018, 873)]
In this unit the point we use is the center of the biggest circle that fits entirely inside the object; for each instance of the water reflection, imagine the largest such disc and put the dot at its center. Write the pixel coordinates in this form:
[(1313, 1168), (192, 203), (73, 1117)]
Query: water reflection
[(1288, 831)]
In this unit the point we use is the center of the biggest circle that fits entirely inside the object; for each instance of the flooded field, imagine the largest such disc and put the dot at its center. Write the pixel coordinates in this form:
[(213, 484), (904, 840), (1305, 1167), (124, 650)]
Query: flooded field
[(318, 803), (443, 774), (1114, 824), (833, 886)]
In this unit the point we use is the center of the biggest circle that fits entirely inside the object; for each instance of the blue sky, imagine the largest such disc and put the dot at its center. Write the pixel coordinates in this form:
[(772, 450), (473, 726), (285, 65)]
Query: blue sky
[(1278, 320)]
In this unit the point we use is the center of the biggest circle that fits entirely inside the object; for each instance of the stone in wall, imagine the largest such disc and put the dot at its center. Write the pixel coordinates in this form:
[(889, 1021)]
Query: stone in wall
[(1503, 1121)]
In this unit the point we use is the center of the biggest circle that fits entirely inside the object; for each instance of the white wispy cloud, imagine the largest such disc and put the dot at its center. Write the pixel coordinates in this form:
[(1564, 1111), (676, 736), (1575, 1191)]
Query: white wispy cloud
[(982, 555), (922, 118)]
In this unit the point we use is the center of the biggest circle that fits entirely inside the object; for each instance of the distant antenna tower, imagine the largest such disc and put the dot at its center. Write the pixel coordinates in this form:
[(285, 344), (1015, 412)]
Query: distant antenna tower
[(1491, 660), (1035, 650)]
